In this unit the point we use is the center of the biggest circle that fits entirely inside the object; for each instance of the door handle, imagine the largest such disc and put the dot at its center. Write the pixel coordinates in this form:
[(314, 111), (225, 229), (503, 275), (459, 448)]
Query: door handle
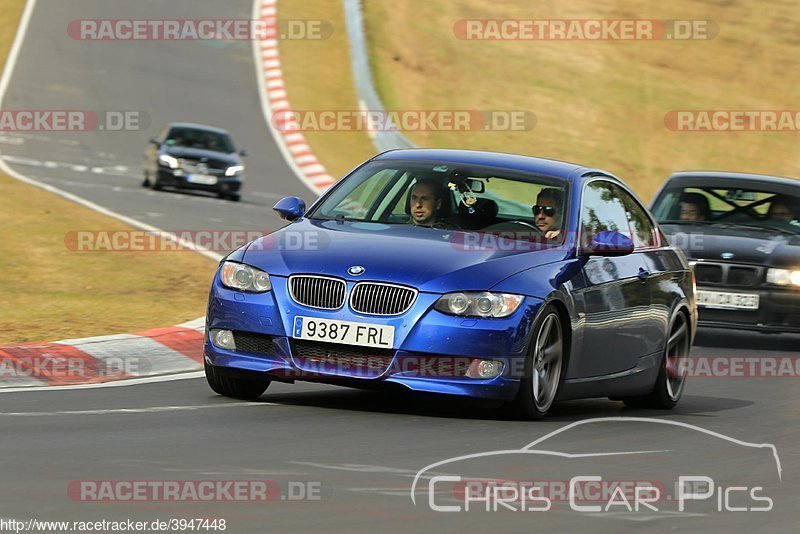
[(644, 274)]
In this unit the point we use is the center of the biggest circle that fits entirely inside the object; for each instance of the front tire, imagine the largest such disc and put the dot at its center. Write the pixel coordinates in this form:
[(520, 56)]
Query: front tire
[(543, 367), (672, 373), (237, 388)]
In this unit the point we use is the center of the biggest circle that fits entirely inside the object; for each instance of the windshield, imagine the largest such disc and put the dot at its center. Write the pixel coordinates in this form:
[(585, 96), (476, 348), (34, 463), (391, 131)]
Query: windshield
[(448, 197), (737, 206), (202, 139)]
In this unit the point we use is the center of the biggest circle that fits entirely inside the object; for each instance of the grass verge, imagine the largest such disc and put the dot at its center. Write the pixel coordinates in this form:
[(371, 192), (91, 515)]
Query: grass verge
[(599, 104), (53, 293), (318, 76)]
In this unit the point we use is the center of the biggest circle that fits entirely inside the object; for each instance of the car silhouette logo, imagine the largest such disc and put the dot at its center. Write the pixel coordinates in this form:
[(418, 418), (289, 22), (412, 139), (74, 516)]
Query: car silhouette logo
[(356, 270), (727, 255)]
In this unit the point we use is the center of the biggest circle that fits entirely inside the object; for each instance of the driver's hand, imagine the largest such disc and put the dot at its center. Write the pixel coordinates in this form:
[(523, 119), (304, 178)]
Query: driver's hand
[(552, 234)]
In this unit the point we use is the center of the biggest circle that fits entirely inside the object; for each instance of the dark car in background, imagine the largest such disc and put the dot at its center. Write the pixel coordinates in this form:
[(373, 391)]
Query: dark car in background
[(742, 234), (194, 156)]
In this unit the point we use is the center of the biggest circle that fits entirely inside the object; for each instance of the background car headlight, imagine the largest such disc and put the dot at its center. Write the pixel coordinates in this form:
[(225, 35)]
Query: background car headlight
[(244, 278), (783, 277), (168, 161), (478, 304), (230, 171)]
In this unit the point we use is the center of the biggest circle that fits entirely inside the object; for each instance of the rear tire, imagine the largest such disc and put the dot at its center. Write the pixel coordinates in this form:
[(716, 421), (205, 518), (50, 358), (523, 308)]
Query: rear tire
[(672, 373), (544, 363), (237, 388)]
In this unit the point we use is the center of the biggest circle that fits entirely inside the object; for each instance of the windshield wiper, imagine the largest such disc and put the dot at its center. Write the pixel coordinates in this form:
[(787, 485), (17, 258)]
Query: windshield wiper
[(759, 227)]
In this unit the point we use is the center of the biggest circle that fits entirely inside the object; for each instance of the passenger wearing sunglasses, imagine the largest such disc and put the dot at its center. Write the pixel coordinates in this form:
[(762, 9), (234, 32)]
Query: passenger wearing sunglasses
[(547, 212)]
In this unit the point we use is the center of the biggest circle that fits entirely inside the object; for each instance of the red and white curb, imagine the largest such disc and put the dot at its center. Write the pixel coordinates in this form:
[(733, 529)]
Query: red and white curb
[(275, 104), (93, 360)]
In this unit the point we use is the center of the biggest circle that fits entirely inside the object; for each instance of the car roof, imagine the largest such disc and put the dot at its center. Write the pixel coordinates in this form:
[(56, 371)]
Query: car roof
[(739, 178), (512, 162), (197, 126)]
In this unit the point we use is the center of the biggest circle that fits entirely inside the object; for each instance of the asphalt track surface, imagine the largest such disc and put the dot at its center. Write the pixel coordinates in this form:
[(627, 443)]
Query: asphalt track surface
[(358, 450)]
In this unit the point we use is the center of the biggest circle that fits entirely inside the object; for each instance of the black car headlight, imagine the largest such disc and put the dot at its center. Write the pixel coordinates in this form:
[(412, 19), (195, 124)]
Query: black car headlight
[(233, 170), (783, 277), (168, 161), (479, 304), (244, 277)]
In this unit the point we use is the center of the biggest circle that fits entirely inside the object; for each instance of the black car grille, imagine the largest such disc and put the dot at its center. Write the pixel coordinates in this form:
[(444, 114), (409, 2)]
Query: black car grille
[(330, 358), (708, 273), (724, 274), (318, 291), (253, 343), (374, 298), (742, 276), (202, 167)]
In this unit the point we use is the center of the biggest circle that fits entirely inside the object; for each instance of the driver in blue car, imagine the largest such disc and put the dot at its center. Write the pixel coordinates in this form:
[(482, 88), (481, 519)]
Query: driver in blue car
[(547, 211), (425, 201)]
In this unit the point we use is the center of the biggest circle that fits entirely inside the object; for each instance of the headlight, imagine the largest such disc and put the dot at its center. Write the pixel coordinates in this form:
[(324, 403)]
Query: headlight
[(244, 278), (168, 161), (478, 304), (783, 277), (234, 169)]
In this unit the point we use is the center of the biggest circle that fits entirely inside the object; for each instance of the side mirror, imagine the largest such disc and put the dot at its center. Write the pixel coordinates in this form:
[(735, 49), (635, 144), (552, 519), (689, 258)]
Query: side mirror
[(290, 208), (244, 153), (154, 141), (610, 243)]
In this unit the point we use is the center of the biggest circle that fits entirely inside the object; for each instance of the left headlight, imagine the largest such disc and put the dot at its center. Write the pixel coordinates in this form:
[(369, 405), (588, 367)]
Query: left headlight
[(783, 277), (169, 161), (233, 170), (244, 278), (479, 304)]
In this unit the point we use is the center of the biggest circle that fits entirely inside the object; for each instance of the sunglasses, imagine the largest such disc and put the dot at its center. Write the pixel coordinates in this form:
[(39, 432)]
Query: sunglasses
[(550, 211)]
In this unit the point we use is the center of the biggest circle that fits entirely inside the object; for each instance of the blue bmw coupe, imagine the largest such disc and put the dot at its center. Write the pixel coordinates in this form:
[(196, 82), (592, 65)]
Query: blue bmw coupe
[(486, 275)]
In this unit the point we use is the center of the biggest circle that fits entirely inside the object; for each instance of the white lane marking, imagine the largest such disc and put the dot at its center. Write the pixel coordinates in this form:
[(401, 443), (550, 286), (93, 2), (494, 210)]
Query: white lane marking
[(8, 140), (149, 409), (117, 384), (13, 55)]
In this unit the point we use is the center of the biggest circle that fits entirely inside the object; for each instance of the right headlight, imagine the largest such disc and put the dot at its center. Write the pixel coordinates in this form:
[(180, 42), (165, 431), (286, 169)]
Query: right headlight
[(478, 304), (783, 277), (244, 278)]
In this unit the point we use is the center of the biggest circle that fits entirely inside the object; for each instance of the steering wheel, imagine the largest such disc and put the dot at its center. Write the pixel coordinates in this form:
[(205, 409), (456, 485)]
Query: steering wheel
[(500, 226), (445, 225)]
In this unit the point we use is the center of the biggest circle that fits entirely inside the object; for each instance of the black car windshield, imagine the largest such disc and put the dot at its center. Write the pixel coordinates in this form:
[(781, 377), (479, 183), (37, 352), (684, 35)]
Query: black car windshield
[(732, 206), (449, 197), (202, 139)]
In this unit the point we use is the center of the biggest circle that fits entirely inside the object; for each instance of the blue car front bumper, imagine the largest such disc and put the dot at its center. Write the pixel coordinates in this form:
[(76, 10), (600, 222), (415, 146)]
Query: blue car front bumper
[(432, 351)]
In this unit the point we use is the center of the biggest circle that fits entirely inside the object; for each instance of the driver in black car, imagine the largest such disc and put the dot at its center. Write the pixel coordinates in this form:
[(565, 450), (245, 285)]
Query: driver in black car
[(782, 209), (547, 211)]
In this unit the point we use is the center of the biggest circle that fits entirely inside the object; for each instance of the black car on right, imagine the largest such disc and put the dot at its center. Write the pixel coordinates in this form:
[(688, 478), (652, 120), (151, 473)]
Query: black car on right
[(742, 234)]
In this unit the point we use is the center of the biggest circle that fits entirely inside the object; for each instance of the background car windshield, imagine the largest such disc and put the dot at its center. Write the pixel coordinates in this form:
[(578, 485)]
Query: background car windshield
[(202, 139), (472, 199), (715, 205)]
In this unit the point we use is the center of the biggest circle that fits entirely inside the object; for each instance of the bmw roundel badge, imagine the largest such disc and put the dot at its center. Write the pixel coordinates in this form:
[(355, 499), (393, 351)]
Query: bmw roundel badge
[(356, 270)]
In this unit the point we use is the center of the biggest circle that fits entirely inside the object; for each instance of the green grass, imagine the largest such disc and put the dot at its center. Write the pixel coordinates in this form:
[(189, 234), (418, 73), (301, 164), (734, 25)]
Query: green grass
[(598, 103)]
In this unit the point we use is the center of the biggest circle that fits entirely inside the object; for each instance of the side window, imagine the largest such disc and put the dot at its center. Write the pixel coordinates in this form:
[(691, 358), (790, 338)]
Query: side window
[(642, 230), (602, 210)]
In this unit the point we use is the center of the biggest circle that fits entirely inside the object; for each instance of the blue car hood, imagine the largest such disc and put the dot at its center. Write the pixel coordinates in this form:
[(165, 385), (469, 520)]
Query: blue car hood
[(430, 260)]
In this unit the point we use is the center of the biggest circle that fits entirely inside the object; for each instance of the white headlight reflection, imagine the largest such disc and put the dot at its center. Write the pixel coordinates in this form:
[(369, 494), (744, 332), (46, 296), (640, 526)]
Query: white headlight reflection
[(244, 277), (479, 304)]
